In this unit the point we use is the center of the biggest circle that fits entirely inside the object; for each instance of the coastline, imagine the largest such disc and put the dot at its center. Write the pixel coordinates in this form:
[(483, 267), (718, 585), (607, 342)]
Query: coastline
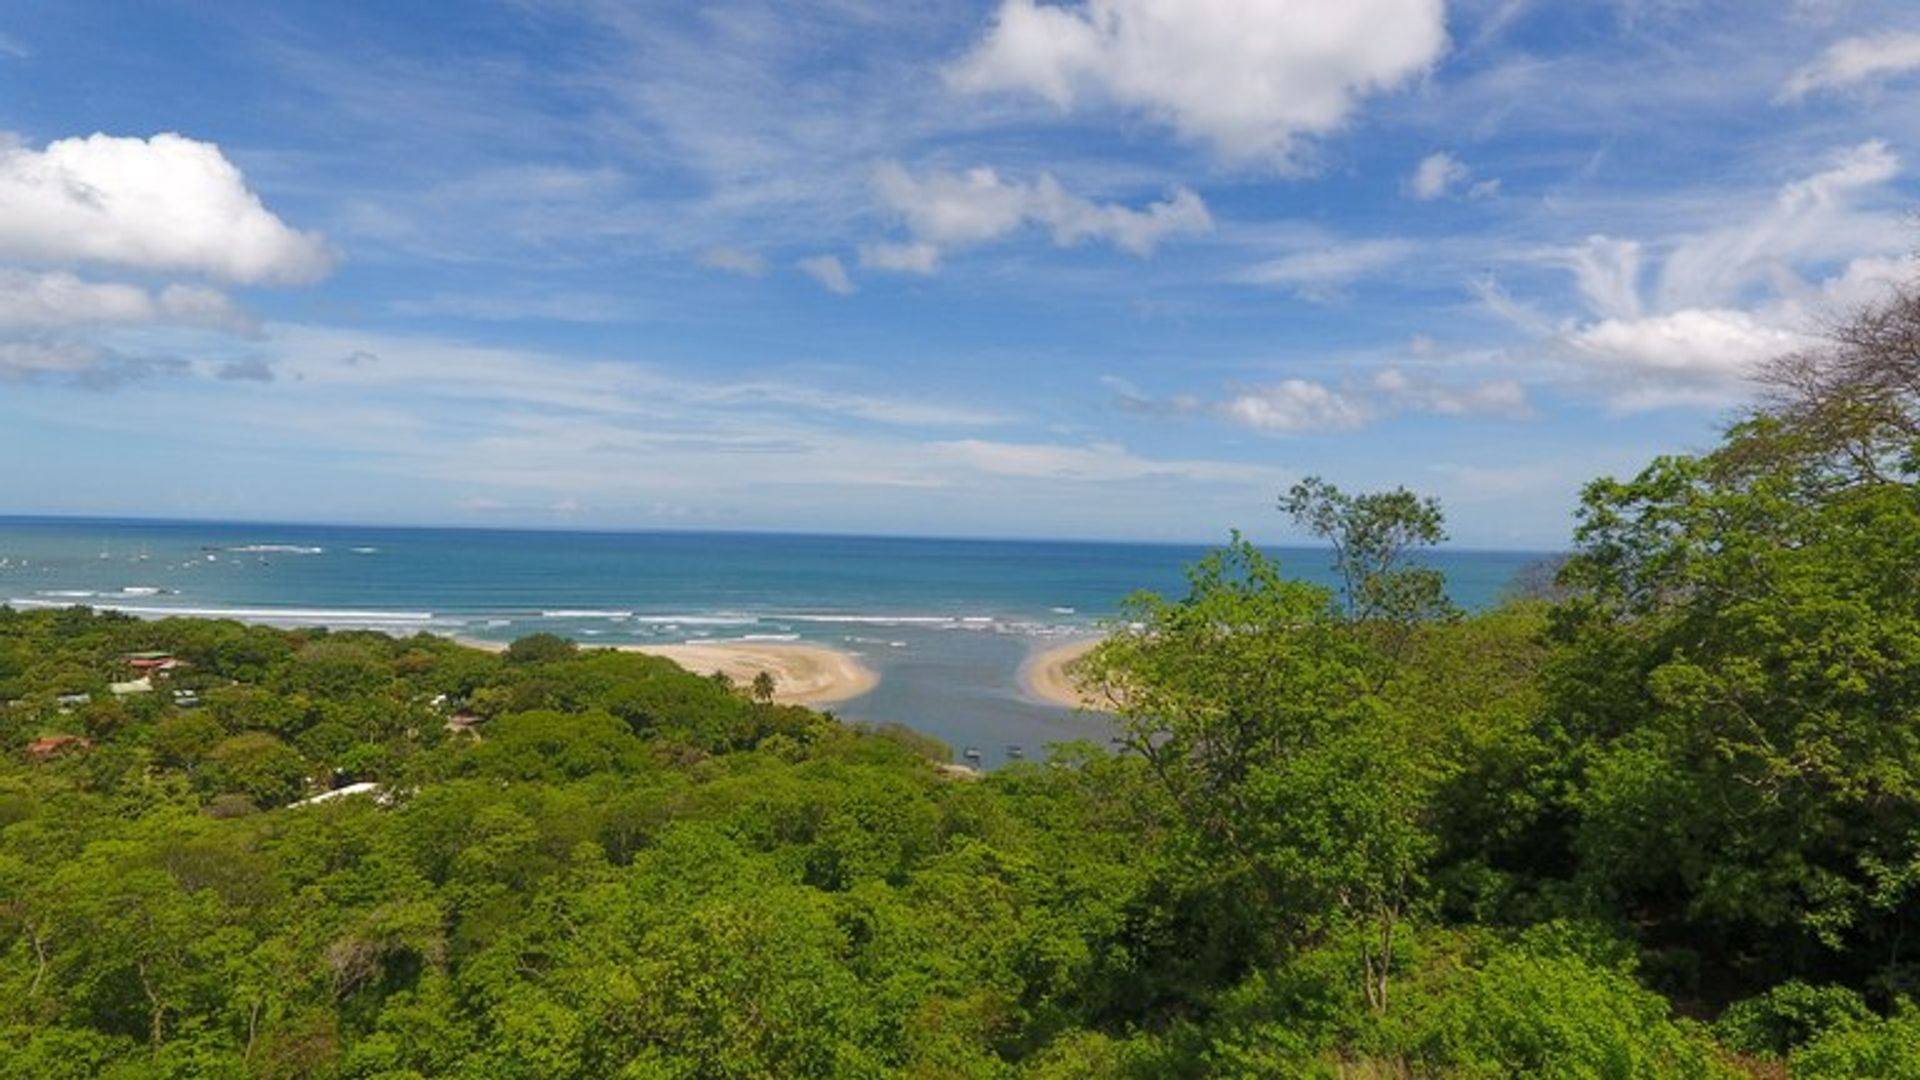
[(1047, 676), (803, 673)]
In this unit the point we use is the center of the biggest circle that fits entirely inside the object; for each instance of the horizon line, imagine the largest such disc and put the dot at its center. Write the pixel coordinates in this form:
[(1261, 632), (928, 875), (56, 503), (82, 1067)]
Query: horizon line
[(672, 531)]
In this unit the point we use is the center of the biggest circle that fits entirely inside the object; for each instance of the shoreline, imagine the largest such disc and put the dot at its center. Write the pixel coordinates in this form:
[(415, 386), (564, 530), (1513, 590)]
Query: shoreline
[(1047, 677), (803, 673)]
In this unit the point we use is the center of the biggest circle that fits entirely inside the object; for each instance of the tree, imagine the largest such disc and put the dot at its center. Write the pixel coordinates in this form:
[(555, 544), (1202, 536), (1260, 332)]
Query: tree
[(1741, 669), (1373, 536), (1255, 707), (540, 648), (763, 687), (259, 766)]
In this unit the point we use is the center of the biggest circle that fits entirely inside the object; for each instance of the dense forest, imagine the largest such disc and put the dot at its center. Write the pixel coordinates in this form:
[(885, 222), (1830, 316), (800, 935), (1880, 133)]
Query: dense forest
[(1656, 816)]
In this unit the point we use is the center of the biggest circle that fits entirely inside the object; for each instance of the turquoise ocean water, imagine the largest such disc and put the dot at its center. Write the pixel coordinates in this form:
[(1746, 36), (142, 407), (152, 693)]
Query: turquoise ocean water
[(946, 623)]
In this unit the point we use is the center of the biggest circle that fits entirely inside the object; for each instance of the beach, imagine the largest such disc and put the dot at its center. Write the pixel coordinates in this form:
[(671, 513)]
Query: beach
[(802, 674), (1047, 676)]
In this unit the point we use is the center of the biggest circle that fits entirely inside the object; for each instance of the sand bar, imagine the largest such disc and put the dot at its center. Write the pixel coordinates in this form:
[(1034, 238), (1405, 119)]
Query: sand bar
[(1048, 676), (803, 674)]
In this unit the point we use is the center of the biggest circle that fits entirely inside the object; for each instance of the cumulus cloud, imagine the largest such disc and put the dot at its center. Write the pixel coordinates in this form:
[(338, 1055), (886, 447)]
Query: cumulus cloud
[(1318, 274), (1695, 355), (828, 271), (167, 203), (33, 301), (1727, 298), (946, 210), (1248, 79), (734, 260), (1855, 61)]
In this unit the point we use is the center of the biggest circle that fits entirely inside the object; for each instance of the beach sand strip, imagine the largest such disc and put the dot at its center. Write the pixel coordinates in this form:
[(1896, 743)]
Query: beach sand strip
[(1047, 676), (803, 674)]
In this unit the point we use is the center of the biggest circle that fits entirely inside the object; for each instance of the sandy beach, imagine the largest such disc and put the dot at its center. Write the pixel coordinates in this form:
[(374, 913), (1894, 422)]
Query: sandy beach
[(1048, 676), (802, 674)]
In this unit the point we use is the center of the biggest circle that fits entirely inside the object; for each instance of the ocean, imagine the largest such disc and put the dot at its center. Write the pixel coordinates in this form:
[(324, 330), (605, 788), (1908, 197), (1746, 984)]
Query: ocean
[(946, 623)]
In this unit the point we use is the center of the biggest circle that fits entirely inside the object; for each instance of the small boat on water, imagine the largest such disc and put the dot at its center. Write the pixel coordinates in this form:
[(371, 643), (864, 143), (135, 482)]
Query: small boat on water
[(1015, 752), (972, 754)]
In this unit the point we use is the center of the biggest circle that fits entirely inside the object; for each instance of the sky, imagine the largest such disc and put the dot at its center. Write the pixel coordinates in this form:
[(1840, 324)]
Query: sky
[(1115, 269)]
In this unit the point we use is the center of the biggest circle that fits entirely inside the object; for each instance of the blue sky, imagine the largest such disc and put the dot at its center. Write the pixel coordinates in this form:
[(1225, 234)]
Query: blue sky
[(1120, 268)]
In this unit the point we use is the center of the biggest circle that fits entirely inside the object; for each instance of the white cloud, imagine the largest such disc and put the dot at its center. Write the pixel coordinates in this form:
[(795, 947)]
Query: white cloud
[(1441, 174), (1295, 405), (1809, 220), (1247, 78), (12, 49), (914, 258), (734, 261), (1436, 176), (1299, 405), (827, 270), (953, 209), (1607, 272), (1398, 392), (1696, 355), (165, 203), (1509, 308), (1854, 61), (1318, 274), (29, 300), (1731, 297)]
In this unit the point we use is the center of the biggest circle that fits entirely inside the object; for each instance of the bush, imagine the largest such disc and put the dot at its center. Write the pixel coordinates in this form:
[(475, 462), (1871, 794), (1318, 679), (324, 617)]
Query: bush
[(1788, 1016)]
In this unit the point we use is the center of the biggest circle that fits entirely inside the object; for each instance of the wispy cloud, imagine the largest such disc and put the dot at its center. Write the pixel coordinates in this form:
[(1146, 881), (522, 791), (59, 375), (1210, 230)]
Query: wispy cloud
[(1854, 62), (1319, 274), (829, 272)]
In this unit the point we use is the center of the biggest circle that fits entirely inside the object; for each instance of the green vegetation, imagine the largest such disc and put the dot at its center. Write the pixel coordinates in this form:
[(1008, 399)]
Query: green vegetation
[(1661, 821)]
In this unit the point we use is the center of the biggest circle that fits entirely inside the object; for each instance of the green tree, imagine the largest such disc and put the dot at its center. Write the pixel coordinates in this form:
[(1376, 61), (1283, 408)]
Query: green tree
[(259, 766), (1254, 706), (1740, 668)]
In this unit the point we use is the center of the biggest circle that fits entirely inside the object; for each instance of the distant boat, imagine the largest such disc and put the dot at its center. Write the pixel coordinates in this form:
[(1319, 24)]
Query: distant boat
[(971, 753), (105, 553), (1015, 752)]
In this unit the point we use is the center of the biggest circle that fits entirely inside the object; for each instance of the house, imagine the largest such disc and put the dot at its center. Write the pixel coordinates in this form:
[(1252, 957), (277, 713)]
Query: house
[(52, 746), (151, 664)]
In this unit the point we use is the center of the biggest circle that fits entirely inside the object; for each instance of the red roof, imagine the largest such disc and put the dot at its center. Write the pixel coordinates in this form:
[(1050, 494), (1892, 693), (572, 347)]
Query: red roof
[(53, 744)]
